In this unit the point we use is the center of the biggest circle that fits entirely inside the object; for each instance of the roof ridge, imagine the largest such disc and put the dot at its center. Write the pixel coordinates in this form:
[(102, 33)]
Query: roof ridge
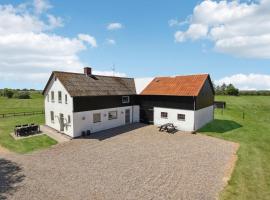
[(206, 74), (92, 74)]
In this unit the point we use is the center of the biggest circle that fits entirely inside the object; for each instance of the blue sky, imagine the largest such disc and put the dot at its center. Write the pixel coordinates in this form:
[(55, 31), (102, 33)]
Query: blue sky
[(146, 45)]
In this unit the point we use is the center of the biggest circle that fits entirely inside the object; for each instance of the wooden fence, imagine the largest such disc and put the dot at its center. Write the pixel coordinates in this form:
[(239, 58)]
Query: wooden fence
[(4, 115)]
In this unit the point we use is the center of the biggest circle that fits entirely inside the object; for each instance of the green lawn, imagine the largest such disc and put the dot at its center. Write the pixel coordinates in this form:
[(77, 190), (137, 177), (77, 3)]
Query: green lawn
[(7, 124), (251, 177), (21, 105)]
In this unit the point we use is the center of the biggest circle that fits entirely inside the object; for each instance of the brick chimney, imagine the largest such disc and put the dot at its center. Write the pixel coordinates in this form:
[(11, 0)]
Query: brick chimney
[(88, 71)]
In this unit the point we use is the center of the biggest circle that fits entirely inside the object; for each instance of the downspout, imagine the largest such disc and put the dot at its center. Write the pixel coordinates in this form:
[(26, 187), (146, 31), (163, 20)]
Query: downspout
[(194, 108)]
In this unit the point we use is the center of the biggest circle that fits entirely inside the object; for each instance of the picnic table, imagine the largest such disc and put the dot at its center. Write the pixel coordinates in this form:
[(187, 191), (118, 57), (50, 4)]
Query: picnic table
[(168, 127), (26, 129)]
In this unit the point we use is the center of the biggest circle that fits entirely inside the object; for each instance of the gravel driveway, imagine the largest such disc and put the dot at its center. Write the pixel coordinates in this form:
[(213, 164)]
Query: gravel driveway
[(123, 163)]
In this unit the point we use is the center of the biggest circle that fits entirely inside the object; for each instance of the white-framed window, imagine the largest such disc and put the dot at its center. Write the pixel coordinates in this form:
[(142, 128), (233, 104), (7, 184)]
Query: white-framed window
[(164, 115), (96, 117), (66, 100), (181, 117), (59, 97), (112, 115), (125, 99), (52, 96), (69, 119), (52, 116)]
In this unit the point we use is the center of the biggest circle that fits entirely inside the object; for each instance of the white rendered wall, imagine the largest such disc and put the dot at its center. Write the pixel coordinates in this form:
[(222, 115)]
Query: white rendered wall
[(83, 121), (57, 108), (203, 116), (187, 125)]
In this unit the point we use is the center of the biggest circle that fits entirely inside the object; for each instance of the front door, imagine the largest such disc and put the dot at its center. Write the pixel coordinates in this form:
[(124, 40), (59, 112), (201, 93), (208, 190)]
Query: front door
[(127, 116), (61, 121)]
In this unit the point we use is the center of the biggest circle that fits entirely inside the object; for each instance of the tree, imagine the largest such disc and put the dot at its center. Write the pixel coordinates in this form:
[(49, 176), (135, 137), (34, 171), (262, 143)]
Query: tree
[(22, 95), (231, 90), (8, 93)]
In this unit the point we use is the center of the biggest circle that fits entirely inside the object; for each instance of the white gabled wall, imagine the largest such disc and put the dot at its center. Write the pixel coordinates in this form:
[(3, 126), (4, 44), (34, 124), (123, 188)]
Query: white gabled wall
[(57, 108), (187, 125), (83, 121), (193, 121), (203, 116)]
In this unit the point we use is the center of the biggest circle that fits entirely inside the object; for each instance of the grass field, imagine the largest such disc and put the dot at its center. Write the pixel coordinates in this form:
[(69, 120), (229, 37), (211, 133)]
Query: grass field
[(251, 177), (7, 124), (21, 105)]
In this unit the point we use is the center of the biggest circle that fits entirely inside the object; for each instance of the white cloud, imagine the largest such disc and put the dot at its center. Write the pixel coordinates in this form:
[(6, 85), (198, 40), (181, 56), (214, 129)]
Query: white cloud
[(236, 27), (114, 26), (247, 81), (110, 41), (88, 38), (41, 6), (28, 52), (175, 22)]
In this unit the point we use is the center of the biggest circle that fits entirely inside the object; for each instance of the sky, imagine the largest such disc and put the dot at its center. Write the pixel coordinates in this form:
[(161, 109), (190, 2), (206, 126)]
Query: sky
[(230, 40)]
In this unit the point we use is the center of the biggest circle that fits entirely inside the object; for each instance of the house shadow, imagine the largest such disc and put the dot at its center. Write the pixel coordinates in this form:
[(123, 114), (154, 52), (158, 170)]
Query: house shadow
[(220, 126), (103, 135), (10, 176)]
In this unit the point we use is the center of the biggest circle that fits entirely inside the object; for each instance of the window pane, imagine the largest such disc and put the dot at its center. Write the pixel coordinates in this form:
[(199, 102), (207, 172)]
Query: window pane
[(52, 95), (181, 117), (164, 115), (66, 98), (52, 116), (125, 99), (96, 117), (59, 96), (112, 115)]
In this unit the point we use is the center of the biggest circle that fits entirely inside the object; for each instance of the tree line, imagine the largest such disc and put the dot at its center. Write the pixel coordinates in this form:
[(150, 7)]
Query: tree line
[(16, 93), (231, 90)]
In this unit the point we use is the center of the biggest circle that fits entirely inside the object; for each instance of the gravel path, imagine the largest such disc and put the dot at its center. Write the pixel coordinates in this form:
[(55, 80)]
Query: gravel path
[(139, 164)]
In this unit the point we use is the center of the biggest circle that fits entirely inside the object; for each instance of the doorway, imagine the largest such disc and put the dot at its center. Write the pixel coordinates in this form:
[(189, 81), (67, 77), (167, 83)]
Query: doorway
[(62, 124), (127, 116)]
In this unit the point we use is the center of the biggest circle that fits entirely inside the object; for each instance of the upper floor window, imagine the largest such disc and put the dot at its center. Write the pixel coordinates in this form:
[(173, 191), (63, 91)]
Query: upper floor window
[(181, 117), (59, 96), (164, 115), (66, 100), (52, 96), (125, 99)]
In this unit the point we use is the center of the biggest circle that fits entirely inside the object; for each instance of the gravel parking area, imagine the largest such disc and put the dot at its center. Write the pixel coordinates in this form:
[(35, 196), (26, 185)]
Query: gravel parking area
[(131, 162)]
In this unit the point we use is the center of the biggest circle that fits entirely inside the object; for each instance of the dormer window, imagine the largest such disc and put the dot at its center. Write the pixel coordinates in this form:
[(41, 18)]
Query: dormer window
[(59, 97), (52, 96), (125, 99)]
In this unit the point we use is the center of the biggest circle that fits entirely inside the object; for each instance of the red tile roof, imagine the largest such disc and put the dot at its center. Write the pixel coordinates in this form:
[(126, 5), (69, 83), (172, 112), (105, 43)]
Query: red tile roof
[(176, 86)]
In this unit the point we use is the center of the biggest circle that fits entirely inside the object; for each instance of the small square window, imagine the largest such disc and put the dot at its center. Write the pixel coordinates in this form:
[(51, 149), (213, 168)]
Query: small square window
[(181, 117), (125, 99), (164, 115), (96, 117), (112, 115)]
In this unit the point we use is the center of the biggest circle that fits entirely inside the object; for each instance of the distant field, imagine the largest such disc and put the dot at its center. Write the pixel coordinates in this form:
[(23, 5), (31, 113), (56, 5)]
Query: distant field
[(7, 124), (251, 177), (21, 105)]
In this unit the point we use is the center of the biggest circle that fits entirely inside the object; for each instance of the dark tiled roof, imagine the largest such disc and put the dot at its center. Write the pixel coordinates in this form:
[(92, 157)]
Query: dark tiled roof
[(177, 86), (82, 85)]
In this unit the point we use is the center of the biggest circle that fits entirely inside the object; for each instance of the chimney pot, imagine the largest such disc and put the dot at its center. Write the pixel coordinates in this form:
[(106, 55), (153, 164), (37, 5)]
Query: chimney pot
[(88, 71)]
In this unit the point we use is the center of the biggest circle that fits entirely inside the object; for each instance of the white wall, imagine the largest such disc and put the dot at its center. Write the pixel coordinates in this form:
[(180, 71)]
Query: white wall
[(83, 121), (57, 108), (203, 116), (187, 125)]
